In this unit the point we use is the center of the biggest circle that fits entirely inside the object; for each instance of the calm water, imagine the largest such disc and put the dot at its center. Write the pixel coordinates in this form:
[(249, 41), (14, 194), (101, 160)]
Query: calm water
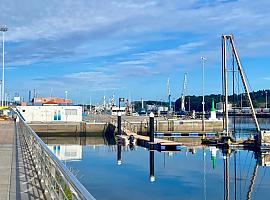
[(194, 173)]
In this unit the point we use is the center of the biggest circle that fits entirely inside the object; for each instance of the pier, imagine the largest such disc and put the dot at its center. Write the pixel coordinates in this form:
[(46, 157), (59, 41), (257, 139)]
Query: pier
[(29, 170)]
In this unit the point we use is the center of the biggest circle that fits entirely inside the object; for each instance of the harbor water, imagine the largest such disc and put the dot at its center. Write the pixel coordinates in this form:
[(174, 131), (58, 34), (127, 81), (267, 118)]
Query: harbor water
[(111, 171)]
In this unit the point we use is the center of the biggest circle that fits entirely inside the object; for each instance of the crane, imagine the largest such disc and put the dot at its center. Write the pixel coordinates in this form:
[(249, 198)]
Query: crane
[(184, 93)]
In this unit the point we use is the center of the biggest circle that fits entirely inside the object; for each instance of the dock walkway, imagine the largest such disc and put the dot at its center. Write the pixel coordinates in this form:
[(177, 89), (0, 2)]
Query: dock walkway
[(18, 177), (159, 144)]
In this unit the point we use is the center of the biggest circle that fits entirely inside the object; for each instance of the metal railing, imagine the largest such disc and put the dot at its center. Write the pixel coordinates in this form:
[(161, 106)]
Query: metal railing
[(57, 180)]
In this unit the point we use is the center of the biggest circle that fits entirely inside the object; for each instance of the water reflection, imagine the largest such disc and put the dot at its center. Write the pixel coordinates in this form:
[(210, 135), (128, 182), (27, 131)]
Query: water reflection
[(197, 172), (67, 152), (119, 156)]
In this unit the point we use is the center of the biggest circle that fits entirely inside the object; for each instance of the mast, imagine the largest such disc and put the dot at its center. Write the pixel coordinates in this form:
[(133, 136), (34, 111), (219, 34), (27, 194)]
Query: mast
[(225, 84)]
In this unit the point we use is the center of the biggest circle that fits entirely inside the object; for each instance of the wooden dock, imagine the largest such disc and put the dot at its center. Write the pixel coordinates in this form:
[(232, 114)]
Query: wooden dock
[(158, 144)]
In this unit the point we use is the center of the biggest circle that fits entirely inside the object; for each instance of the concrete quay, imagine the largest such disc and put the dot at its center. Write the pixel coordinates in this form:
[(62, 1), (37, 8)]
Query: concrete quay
[(141, 123)]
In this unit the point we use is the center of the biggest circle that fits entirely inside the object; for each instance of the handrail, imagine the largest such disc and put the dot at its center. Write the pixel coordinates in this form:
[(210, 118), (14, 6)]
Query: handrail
[(57, 178)]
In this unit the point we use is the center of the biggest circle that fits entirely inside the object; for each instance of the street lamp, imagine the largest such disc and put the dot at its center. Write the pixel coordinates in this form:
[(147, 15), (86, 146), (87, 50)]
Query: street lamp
[(3, 29), (66, 92), (203, 103)]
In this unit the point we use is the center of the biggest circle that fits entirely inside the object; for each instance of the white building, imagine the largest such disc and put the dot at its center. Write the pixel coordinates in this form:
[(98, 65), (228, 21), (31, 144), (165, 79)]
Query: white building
[(51, 113)]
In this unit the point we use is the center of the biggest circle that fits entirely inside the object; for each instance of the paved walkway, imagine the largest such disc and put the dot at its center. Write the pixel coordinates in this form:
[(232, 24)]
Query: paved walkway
[(6, 150), (18, 177)]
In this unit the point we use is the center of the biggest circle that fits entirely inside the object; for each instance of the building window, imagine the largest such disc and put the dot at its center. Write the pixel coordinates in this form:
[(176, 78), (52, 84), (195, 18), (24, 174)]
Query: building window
[(71, 112)]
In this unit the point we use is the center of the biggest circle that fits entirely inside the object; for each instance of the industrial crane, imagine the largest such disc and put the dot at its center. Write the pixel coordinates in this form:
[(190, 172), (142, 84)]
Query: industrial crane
[(184, 93)]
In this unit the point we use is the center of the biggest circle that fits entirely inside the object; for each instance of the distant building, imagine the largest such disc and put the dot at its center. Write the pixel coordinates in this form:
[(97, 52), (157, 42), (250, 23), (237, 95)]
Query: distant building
[(151, 108), (51, 113), (51, 100), (219, 107)]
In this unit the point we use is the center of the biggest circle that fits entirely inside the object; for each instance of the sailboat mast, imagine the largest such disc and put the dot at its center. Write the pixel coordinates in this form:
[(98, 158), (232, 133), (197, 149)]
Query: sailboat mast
[(225, 83)]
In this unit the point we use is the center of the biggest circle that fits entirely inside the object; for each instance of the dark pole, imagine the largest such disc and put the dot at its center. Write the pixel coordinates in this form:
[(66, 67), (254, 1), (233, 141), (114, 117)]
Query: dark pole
[(119, 160), (152, 166), (189, 104), (119, 132), (151, 135)]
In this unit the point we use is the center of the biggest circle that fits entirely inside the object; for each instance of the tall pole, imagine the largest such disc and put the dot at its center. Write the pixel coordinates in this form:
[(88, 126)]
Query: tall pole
[(3, 29), (225, 82), (188, 104), (66, 92), (203, 103), (3, 71), (266, 99)]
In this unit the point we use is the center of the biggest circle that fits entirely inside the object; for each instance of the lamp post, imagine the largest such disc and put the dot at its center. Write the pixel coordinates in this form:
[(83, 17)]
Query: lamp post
[(3, 29), (203, 103), (66, 92)]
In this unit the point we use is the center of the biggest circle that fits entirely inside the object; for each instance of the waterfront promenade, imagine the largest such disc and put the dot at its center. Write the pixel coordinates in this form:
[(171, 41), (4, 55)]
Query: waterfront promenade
[(18, 176)]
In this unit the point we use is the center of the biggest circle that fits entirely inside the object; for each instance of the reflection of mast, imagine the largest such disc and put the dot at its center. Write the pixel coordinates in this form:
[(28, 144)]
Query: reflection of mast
[(226, 178), (252, 181), (119, 159), (152, 165), (204, 178)]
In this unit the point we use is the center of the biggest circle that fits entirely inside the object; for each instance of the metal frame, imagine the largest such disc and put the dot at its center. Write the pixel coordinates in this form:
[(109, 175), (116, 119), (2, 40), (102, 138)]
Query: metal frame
[(225, 81), (59, 182)]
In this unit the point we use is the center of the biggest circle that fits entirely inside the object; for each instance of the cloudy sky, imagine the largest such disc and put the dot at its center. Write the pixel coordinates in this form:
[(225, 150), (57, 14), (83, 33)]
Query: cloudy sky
[(130, 47)]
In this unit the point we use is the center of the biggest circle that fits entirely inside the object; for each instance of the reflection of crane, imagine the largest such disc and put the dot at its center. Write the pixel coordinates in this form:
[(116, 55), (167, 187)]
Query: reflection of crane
[(184, 93), (261, 159), (169, 95)]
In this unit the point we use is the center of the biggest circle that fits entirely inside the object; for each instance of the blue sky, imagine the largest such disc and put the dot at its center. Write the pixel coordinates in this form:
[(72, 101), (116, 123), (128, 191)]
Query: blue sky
[(131, 47)]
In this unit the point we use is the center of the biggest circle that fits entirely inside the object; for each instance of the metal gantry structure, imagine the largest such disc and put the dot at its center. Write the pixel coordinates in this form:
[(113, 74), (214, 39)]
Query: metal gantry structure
[(229, 40)]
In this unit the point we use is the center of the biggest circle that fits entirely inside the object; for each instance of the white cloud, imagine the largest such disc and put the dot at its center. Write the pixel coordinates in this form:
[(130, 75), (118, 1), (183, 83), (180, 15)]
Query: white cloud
[(130, 38)]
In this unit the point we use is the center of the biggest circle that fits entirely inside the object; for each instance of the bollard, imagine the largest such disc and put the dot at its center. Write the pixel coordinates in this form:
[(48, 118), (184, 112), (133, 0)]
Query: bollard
[(151, 134), (119, 132)]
